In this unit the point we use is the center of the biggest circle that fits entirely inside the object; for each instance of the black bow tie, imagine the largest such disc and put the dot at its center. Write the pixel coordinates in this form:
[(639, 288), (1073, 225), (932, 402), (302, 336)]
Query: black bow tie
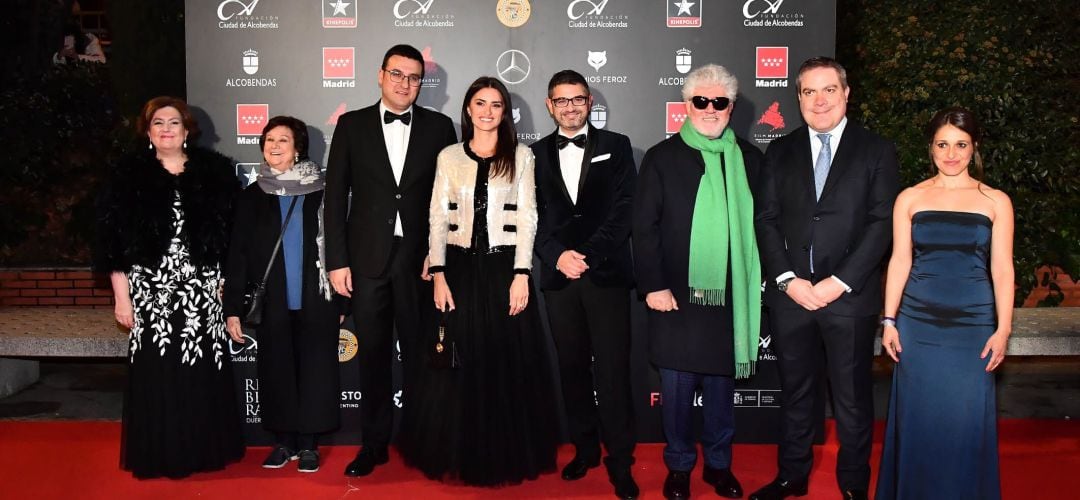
[(389, 117), (561, 141)]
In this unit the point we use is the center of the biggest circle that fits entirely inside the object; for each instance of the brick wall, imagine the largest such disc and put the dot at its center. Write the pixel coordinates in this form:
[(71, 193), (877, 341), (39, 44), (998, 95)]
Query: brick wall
[(55, 287)]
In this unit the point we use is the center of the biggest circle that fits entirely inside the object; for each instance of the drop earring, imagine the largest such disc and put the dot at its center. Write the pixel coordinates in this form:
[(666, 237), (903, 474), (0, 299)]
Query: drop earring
[(185, 144), (296, 157), (150, 146)]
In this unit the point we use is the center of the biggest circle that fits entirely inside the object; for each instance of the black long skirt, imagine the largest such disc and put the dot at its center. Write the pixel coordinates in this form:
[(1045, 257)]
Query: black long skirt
[(493, 421)]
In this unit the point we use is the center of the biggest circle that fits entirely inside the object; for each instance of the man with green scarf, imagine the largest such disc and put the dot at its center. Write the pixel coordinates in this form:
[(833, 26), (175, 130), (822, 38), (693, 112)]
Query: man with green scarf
[(697, 264)]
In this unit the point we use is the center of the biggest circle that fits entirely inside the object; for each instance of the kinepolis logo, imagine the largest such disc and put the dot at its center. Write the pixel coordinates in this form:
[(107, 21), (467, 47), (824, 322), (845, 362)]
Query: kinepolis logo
[(767, 14), (414, 14), (250, 120), (598, 59), (248, 173), (237, 14), (598, 115), (774, 120), (251, 66), (683, 61), (771, 67), (585, 14), (338, 69), (341, 15), (676, 115), (513, 66), (684, 14)]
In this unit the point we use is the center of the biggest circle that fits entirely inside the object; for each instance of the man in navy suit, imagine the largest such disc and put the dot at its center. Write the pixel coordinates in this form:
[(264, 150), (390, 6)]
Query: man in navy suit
[(384, 155), (824, 225), (585, 184)]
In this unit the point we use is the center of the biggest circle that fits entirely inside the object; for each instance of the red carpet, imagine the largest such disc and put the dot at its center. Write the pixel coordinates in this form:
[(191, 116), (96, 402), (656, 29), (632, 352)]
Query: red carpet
[(46, 460)]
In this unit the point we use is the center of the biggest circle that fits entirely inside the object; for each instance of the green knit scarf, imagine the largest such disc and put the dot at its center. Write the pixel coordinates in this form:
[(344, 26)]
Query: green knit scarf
[(723, 219)]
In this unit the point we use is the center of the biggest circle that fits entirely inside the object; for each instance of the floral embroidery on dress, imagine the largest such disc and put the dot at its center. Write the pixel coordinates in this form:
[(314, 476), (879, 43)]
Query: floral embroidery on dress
[(178, 296)]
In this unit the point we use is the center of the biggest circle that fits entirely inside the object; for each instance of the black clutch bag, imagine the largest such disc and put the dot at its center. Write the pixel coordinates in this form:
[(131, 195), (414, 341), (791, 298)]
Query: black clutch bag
[(443, 353), (255, 291)]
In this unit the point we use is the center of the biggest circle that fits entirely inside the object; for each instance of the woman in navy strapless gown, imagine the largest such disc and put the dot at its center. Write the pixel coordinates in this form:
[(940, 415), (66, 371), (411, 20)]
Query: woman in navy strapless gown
[(948, 316)]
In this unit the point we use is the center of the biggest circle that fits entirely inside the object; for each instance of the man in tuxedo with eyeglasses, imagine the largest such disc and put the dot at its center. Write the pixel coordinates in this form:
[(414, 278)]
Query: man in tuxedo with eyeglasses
[(384, 156), (585, 184)]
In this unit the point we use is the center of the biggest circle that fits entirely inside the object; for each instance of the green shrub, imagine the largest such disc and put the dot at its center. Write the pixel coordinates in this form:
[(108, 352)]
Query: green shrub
[(1014, 63), (60, 133)]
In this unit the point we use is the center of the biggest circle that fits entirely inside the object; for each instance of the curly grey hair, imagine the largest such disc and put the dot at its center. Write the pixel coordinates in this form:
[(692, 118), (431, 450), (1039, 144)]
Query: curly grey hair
[(709, 75)]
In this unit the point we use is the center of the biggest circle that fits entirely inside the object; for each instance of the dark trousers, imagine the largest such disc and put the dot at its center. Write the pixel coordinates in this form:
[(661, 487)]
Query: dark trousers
[(591, 329), (718, 418), (805, 342), (398, 298)]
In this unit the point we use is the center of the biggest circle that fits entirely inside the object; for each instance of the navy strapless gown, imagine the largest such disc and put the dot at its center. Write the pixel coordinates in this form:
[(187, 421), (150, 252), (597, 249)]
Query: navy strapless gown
[(941, 437)]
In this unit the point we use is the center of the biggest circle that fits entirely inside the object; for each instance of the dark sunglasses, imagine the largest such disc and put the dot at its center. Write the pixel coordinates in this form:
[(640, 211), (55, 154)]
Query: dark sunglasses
[(718, 103)]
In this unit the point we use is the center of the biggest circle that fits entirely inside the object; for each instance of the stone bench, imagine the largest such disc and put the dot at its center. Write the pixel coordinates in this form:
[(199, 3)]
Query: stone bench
[(33, 332)]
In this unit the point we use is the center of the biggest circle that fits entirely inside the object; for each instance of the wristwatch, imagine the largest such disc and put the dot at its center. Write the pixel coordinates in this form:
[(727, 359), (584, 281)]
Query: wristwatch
[(783, 284)]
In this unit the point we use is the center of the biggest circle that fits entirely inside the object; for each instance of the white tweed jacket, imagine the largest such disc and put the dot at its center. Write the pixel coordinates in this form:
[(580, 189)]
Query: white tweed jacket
[(511, 207)]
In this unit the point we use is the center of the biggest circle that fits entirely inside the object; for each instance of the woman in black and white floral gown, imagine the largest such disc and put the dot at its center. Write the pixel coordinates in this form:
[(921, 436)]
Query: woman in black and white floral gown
[(162, 232)]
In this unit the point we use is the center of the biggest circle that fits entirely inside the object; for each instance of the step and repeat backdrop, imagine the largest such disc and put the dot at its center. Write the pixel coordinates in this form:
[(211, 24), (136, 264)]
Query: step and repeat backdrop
[(249, 60)]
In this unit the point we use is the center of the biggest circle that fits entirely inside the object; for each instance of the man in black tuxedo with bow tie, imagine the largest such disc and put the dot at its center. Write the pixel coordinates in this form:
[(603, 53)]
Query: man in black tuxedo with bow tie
[(585, 183), (824, 225), (384, 155)]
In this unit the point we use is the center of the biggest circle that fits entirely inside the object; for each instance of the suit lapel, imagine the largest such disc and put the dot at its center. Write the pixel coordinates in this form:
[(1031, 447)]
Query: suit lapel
[(415, 135), (556, 167), (381, 157), (586, 157), (804, 161), (842, 160)]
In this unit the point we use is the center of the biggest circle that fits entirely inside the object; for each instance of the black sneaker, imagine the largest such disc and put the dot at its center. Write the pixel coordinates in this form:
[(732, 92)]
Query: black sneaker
[(309, 461), (278, 457)]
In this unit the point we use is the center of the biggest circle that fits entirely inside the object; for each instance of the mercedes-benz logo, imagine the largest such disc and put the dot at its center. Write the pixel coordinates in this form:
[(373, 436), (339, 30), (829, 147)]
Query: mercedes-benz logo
[(513, 66)]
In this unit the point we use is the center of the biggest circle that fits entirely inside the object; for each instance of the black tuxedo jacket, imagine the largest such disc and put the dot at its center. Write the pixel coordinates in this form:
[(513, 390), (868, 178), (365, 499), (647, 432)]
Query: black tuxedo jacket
[(363, 235), (598, 226), (850, 227)]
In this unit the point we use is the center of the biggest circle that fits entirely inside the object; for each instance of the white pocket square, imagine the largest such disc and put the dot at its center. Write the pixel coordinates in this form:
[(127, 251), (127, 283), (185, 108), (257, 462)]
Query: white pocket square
[(600, 158)]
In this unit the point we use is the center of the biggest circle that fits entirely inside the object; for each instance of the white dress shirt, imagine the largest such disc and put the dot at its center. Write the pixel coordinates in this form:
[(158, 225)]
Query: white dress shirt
[(396, 135), (570, 159)]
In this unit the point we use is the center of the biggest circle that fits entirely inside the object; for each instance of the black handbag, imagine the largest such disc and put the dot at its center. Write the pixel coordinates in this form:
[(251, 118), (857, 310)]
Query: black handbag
[(255, 291), (443, 354)]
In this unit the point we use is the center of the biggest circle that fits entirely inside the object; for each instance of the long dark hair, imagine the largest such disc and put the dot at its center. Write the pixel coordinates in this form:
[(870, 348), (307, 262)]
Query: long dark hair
[(503, 161), (964, 120)]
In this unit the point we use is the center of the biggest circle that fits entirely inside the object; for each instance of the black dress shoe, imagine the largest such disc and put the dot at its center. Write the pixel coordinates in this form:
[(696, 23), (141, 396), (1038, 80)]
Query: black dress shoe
[(366, 461), (578, 467), (854, 495), (724, 481), (779, 490), (625, 486), (677, 484)]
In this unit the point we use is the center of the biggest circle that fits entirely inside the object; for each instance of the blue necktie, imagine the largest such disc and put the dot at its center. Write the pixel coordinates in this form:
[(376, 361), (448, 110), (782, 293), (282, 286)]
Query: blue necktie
[(821, 166)]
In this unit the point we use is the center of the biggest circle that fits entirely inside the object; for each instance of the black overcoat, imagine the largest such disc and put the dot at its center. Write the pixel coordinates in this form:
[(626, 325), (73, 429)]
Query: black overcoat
[(694, 338), (297, 359)]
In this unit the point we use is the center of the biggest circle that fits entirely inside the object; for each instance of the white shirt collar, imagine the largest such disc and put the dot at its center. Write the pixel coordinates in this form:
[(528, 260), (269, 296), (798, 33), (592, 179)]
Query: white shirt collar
[(383, 109), (836, 131)]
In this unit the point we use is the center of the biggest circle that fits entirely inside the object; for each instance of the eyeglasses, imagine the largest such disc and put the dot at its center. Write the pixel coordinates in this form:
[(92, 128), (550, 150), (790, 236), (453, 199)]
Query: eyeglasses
[(562, 102), (397, 76), (718, 103)]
